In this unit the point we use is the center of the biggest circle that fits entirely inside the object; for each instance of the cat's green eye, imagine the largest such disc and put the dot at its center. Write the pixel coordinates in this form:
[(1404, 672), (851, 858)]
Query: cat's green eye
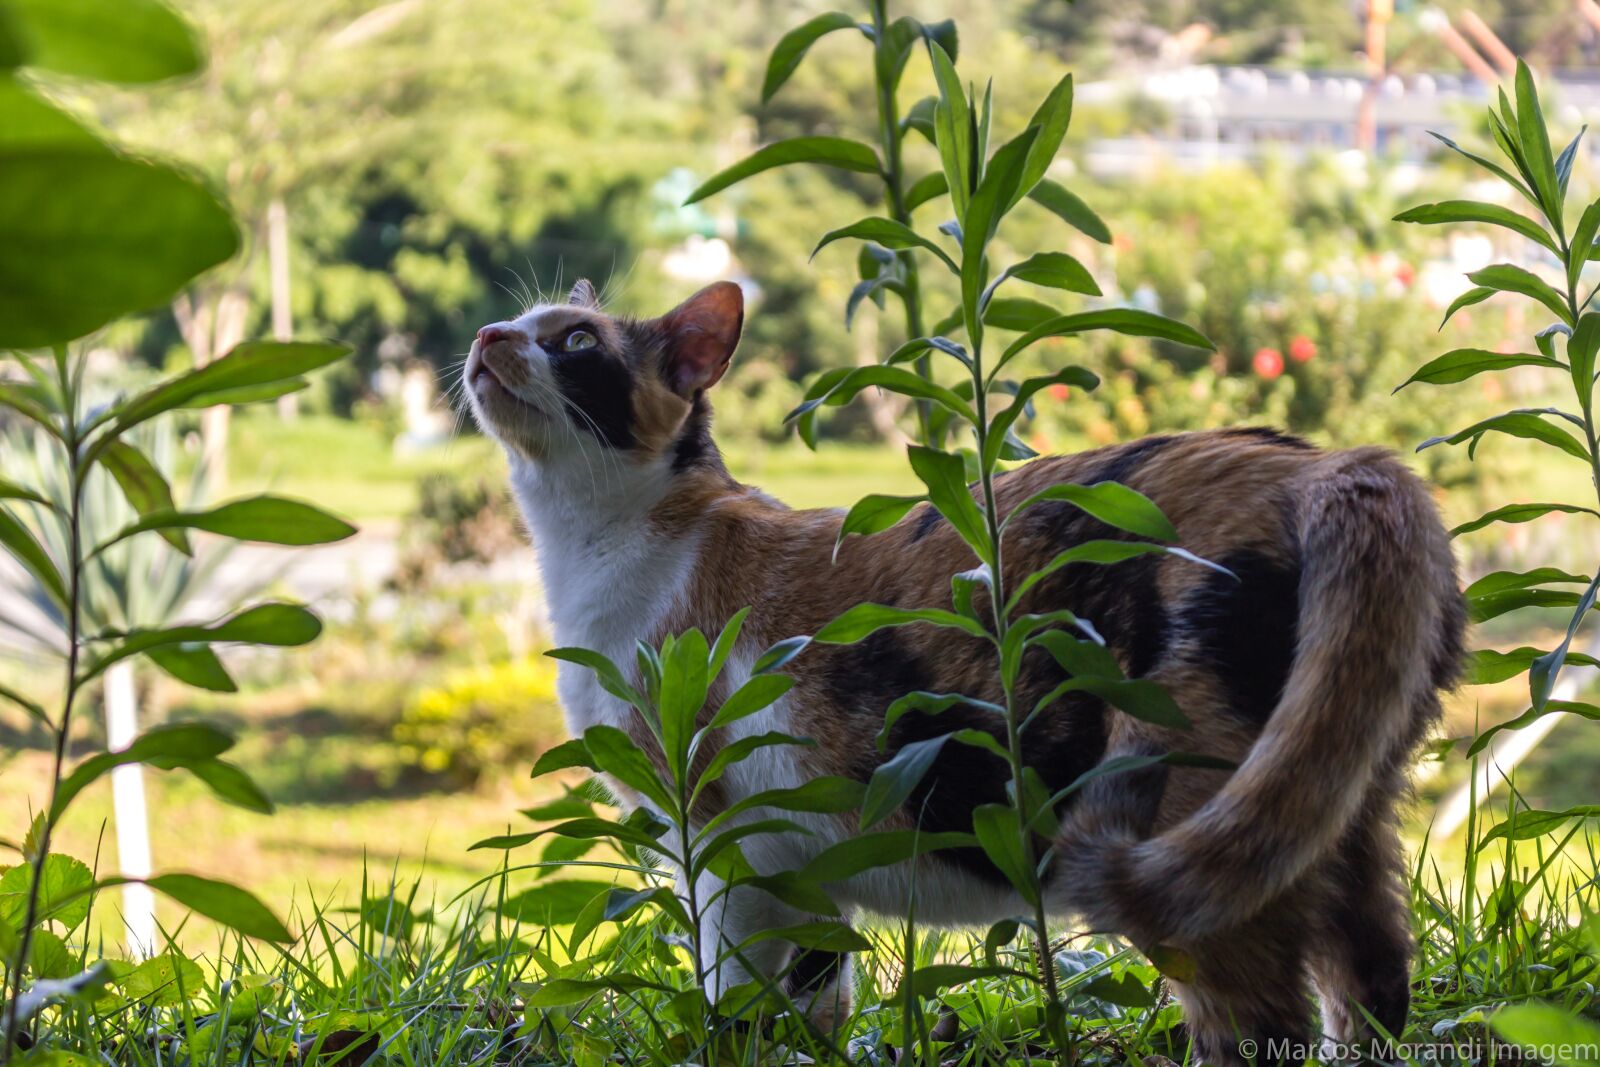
[(578, 340)]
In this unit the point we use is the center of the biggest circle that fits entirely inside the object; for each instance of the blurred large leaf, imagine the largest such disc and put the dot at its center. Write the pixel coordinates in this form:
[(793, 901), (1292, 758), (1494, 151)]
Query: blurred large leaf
[(30, 123), (263, 624), (829, 151), (145, 487), (250, 364), (90, 237), (174, 745), (1472, 211), (792, 47), (227, 904), (22, 544), (268, 519), (127, 41)]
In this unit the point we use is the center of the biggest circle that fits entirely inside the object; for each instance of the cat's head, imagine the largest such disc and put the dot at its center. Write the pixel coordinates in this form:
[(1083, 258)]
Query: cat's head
[(569, 386)]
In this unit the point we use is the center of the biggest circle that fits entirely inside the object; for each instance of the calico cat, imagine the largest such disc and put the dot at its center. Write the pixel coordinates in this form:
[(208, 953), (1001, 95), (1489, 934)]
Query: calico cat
[(1314, 667)]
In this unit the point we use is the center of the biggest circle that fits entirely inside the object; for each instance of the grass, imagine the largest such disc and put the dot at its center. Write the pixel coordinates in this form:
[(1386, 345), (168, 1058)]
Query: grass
[(352, 466), (408, 975)]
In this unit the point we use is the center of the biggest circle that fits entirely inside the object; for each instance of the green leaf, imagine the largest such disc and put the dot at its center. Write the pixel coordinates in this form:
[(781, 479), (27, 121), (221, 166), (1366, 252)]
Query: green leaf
[(1543, 671), (928, 704), (1052, 117), (998, 828), (1583, 242), (1489, 666), (615, 753), (555, 903), (792, 47), (267, 519), (837, 390), (1564, 163), (884, 848), (1519, 513), (35, 711), (1065, 205), (779, 655), (249, 364), (1113, 504), (872, 514), (824, 936), (685, 681), (227, 904), (1130, 321), (568, 754), (1056, 270), (144, 486), (945, 475), (163, 981), (1581, 349), (1550, 1033), (1489, 165), (1528, 717), (30, 123), (1523, 423), (122, 235), (1527, 825), (1462, 363), (1509, 278), (129, 41), (826, 794), (194, 665), (758, 693), (829, 151), (605, 672), (889, 234), (723, 648), (894, 779), (1500, 581), (1475, 295), (740, 749), (996, 191), (952, 124), (1143, 699), (1014, 313), (1535, 142), (64, 892), (1002, 423), (1493, 605), (1448, 211), (264, 624), (23, 545), (926, 188), (175, 745), (1125, 991), (232, 784)]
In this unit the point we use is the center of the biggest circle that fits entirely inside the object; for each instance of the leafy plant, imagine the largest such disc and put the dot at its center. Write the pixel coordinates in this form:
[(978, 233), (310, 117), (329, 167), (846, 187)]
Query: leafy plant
[(1568, 345), (122, 234), (682, 751), (983, 189)]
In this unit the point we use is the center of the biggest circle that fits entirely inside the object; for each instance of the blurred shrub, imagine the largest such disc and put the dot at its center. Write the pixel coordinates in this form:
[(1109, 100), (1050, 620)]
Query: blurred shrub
[(460, 518), (482, 719)]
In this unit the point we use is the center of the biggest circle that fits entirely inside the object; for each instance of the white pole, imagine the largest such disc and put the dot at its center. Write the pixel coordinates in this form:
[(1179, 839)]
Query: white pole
[(128, 808)]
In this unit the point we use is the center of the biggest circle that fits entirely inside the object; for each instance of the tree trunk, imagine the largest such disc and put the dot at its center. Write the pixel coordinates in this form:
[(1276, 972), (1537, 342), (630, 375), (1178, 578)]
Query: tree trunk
[(211, 329), (282, 313)]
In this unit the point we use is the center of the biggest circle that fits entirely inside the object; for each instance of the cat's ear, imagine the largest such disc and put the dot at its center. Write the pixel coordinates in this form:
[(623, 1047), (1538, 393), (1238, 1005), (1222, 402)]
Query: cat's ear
[(702, 333), (583, 295)]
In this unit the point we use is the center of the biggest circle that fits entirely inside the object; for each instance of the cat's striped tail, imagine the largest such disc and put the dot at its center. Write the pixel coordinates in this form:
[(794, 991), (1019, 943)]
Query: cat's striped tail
[(1380, 632)]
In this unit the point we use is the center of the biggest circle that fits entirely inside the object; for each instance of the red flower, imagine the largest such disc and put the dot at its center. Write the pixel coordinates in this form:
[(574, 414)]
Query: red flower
[(1406, 273), (1268, 363), (1060, 392), (1302, 348)]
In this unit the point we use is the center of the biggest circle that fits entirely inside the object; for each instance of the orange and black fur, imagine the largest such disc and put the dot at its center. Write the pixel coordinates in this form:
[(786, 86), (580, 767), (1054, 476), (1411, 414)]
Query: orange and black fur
[(1314, 666)]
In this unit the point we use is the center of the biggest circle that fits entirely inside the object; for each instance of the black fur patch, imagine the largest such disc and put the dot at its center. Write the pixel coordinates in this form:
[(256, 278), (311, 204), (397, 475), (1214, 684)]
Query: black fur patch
[(1063, 743), (1245, 630), (813, 969), (694, 446), (598, 386), (927, 522)]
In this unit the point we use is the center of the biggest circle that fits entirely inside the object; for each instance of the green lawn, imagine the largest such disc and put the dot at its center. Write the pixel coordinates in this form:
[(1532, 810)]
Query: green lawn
[(351, 466)]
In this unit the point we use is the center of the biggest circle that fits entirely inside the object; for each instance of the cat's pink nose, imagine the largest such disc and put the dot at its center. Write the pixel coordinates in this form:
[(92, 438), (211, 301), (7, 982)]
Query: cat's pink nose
[(497, 331)]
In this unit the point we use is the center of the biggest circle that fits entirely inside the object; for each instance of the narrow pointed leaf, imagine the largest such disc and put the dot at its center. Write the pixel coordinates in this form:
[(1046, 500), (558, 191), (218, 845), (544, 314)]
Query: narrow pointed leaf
[(827, 151)]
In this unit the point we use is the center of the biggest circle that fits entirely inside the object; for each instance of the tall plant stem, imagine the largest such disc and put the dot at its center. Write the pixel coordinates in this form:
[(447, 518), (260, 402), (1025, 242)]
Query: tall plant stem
[(894, 180), (997, 595), (71, 442)]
